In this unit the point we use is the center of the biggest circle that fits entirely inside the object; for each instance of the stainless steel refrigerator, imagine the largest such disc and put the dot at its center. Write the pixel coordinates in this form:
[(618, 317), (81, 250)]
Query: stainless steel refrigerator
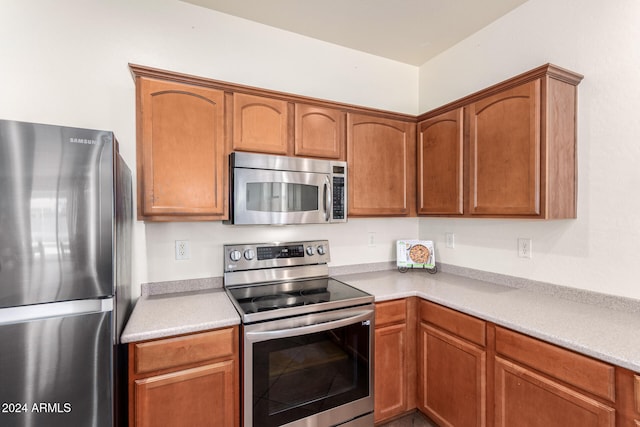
[(65, 273)]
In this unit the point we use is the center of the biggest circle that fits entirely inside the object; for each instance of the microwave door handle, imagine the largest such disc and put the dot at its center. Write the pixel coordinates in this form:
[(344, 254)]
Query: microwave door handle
[(327, 200)]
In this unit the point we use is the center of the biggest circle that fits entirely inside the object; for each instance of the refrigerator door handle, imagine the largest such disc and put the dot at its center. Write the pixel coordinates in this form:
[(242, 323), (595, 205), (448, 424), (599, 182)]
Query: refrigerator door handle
[(56, 309)]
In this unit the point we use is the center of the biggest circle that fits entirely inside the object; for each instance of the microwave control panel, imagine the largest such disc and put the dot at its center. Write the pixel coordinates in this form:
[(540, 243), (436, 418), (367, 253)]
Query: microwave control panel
[(338, 198)]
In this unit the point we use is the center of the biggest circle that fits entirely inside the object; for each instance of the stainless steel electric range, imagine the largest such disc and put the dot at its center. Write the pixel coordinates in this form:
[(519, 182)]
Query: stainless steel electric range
[(308, 338)]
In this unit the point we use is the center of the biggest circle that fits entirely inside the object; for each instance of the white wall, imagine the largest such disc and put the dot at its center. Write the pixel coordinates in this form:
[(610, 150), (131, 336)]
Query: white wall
[(599, 250), (66, 62), (349, 243)]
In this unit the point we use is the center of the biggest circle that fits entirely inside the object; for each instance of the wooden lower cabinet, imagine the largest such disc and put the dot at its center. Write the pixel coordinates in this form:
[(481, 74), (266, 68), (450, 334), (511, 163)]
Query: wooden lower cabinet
[(469, 372), (190, 380), (627, 398), (390, 365), (525, 398), (394, 359), (453, 378), (540, 384), (452, 370), (636, 398), (194, 397)]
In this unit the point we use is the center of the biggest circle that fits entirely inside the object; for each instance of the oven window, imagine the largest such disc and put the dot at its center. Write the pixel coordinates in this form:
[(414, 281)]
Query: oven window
[(296, 377), (281, 197)]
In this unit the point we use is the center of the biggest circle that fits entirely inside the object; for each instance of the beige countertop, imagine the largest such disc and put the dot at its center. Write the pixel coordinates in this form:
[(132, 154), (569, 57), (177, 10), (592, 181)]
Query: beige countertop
[(164, 315), (591, 328), (604, 333)]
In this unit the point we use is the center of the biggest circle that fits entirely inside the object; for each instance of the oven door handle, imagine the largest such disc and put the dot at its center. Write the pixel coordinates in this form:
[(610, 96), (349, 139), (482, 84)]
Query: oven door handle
[(363, 316)]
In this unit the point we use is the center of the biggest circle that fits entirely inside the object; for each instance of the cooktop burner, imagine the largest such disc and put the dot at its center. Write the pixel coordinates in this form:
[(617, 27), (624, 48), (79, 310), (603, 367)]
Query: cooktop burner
[(324, 293), (273, 302)]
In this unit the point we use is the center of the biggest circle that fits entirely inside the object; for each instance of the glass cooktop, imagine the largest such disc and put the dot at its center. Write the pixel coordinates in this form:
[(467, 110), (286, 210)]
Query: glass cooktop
[(274, 300)]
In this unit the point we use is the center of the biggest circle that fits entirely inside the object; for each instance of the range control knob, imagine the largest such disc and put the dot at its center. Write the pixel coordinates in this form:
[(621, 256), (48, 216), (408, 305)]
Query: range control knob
[(310, 250), (235, 255), (321, 250), (249, 254)]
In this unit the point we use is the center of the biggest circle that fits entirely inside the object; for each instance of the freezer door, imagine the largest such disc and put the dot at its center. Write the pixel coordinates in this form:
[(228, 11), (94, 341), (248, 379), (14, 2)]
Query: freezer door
[(56, 371), (56, 213)]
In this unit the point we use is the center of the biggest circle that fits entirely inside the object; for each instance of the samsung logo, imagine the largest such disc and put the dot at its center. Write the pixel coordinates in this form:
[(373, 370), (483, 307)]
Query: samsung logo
[(83, 141)]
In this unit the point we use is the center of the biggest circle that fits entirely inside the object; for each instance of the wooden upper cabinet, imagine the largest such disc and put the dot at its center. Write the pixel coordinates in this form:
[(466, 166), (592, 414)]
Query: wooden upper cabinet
[(260, 124), (182, 160), (319, 132), (440, 164), (504, 152), (519, 155), (381, 161)]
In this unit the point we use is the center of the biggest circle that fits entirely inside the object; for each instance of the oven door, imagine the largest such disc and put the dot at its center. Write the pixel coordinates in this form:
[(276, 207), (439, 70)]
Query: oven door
[(280, 197), (312, 370)]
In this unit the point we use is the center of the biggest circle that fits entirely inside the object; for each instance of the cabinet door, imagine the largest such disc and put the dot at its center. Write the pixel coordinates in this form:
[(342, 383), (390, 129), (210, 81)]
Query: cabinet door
[(452, 379), (182, 164), (260, 124), (320, 132), (390, 397), (636, 398), (524, 398), (627, 396), (381, 161), (440, 164), (636, 393), (202, 396), (504, 148)]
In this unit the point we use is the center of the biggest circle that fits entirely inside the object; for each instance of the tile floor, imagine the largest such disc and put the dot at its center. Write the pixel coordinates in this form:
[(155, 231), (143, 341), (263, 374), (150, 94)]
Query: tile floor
[(415, 419)]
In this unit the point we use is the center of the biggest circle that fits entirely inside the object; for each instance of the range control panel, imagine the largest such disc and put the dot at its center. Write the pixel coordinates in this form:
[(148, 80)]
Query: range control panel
[(241, 257)]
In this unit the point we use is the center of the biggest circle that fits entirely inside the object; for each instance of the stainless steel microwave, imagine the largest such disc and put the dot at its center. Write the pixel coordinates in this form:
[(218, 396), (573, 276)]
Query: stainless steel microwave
[(267, 189)]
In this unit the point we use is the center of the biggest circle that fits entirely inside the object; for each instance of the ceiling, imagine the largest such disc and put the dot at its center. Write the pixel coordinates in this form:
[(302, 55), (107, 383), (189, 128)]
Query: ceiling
[(409, 31)]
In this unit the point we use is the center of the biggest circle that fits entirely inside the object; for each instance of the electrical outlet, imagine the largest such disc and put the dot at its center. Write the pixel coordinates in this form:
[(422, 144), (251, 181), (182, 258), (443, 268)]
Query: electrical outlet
[(182, 250), (524, 247), (450, 239), (371, 238)]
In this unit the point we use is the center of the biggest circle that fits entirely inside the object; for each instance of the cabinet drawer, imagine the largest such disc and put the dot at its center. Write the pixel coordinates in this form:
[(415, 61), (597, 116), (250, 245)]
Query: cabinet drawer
[(636, 392), (179, 351), (390, 312), (581, 371), (459, 324)]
